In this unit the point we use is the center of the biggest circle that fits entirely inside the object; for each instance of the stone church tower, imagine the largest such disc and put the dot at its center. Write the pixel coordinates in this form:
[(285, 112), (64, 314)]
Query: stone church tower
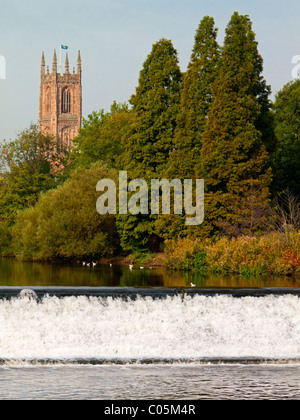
[(61, 101)]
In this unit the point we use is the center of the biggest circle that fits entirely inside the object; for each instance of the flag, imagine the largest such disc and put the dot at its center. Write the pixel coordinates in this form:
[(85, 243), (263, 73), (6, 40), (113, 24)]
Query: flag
[(64, 47)]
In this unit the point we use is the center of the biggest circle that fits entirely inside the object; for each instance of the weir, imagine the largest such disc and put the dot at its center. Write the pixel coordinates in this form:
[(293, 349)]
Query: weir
[(154, 292), (52, 325)]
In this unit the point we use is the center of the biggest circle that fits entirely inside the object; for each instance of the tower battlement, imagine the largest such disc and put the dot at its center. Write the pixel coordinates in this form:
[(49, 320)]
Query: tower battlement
[(61, 100)]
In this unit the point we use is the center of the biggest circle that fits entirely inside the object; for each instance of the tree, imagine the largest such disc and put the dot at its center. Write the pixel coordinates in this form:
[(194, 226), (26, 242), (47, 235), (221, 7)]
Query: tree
[(28, 167), (151, 140), (100, 138), (235, 158), (286, 157), (253, 214), (155, 108), (196, 99), (65, 224), (285, 213), (26, 170)]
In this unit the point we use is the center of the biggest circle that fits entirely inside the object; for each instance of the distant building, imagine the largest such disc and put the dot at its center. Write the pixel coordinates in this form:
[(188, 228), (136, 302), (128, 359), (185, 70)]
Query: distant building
[(61, 101)]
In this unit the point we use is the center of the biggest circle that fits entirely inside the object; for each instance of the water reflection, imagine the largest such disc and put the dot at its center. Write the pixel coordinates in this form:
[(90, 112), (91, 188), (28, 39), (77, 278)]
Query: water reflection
[(15, 273)]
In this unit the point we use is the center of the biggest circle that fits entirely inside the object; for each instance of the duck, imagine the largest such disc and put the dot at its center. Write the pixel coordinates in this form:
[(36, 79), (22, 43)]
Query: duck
[(193, 285)]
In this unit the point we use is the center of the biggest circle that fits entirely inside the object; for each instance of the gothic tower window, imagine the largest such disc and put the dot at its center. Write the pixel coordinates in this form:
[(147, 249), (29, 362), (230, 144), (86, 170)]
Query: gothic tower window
[(48, 102), (66, 101)]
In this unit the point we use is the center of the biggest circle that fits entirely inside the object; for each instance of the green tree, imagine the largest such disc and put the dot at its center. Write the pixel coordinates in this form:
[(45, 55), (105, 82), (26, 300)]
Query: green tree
[(100, 138), (65, 223), (28, 167), (286, 157), (235, 158), (155, 108), (196, 99), (151, 140)]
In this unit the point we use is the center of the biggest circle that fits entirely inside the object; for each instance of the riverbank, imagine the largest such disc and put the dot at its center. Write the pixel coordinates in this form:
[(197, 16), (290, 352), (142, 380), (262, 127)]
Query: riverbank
[(275, 254), (272, 254)]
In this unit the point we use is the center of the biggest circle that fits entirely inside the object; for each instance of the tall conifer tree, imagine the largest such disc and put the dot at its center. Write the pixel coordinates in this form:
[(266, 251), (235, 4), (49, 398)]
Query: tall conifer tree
[(155, 107), (147, 148), (196, 100), (235, 160)]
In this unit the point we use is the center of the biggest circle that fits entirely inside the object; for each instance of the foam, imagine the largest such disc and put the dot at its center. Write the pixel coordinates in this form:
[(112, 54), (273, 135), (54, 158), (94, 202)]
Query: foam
[(105, 328)]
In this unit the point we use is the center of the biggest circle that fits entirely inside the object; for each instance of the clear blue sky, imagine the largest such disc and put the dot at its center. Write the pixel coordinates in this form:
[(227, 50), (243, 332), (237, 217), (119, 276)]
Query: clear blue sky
[(115, 37)]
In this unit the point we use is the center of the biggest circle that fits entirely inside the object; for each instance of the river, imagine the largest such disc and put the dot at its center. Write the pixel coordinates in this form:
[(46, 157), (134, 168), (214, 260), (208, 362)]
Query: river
[(75, 332)]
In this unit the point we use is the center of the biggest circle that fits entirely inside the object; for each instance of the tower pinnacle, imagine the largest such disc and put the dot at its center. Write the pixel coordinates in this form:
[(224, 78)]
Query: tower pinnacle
[(79, 63), (67, 64), (54, 66), (43, 64)]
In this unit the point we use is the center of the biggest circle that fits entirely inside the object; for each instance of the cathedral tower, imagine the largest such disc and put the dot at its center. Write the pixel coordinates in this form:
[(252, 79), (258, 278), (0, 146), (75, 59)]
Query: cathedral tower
[(61, 101)]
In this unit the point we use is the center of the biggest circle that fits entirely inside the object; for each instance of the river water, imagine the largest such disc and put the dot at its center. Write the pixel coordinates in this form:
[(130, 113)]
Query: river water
[(111, 333)]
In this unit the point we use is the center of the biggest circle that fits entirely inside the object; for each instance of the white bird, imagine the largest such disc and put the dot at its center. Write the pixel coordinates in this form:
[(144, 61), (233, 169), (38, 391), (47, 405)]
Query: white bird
[(94, 264), (130, 267), (83, 263), (193, 285), (142, 268), (110, 265), (88, 265)]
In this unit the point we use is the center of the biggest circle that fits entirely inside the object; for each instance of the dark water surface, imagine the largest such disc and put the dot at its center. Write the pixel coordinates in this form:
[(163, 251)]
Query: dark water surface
[(15, 273)]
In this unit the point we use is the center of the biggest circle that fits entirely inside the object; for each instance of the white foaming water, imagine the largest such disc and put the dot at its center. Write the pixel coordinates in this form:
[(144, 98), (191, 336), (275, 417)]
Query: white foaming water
[(74, 328)]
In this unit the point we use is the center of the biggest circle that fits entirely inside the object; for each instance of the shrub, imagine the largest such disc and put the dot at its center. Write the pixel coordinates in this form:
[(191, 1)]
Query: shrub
[(200, 262), (270, 254), (184, 253), (276, 254)]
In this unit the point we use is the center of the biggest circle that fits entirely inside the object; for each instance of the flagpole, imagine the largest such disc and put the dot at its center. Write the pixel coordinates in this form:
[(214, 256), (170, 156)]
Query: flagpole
[(60, 59)]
